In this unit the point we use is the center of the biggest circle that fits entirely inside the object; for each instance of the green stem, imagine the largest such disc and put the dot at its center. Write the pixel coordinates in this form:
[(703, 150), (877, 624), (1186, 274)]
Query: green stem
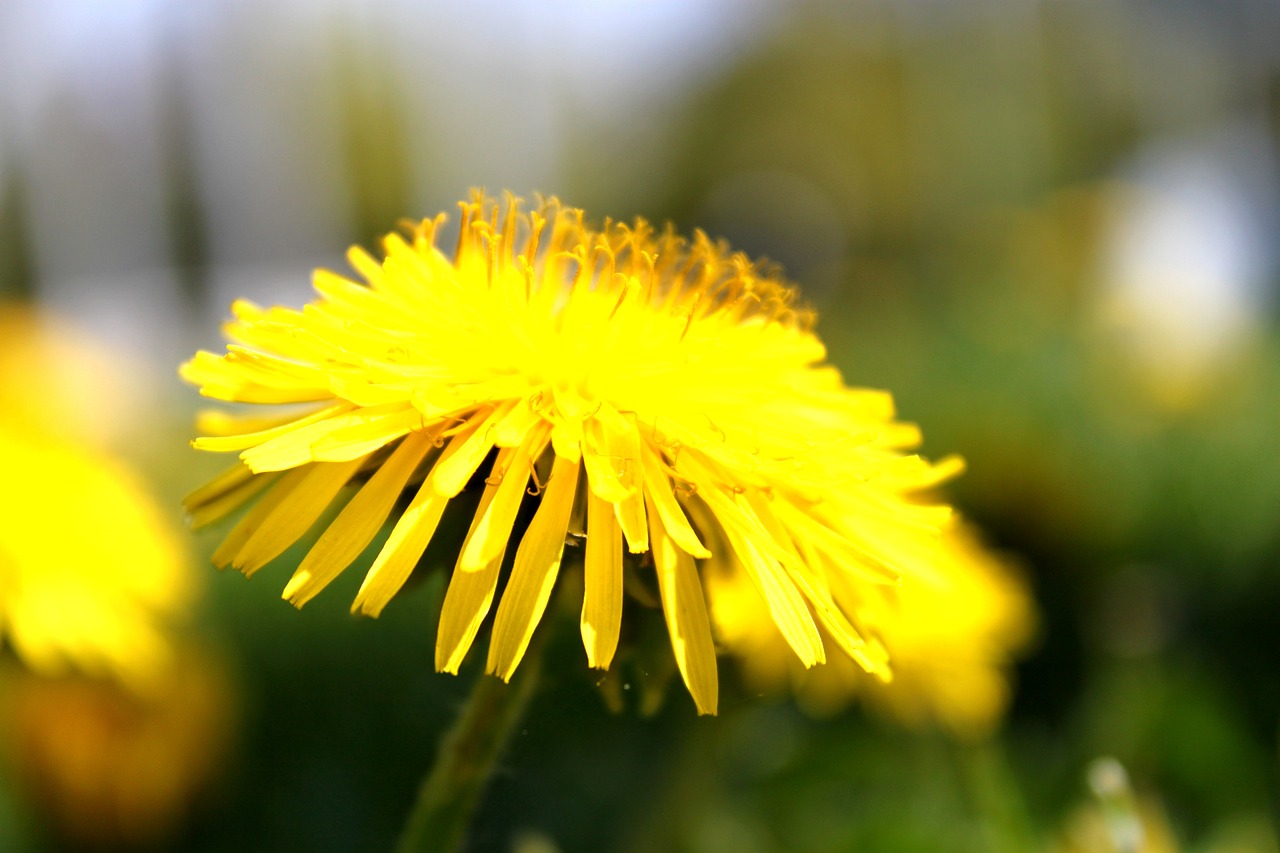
[(468, 753)]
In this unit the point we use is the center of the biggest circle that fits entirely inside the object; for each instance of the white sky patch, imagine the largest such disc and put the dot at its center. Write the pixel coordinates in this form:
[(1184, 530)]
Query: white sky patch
[(87, 88), (1188, 267)]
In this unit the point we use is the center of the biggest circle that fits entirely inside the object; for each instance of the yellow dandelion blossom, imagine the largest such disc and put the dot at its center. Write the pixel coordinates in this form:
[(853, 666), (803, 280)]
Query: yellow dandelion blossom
[(657, 396), (90, 573), (951, 630)]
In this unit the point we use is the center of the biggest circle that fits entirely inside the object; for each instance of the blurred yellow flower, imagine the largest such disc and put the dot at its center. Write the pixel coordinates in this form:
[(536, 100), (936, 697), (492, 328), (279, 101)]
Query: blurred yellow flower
[(110, 768), (56, 380), (663, 396), (951, 632), (90, 572)]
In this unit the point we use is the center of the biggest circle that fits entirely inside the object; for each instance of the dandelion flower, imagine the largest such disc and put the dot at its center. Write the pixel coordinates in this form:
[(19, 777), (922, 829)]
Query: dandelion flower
[(91, 573), (655, 396), (951, 631)]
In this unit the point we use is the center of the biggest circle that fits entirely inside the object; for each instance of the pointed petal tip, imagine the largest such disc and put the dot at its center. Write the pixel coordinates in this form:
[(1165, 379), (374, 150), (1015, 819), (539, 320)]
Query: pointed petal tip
[(249, 567), (599, 662), (295, 594), (447, 667), (449, 660), (363, 607), (492, 668)]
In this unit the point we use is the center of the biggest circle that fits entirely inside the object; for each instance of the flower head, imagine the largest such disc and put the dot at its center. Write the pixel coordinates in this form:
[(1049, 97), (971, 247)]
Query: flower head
[(98, 595), (91, 574), (657, 396)]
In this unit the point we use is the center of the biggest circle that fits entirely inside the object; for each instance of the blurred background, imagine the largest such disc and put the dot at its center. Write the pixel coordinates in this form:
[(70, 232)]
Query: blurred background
[(1052, 229)]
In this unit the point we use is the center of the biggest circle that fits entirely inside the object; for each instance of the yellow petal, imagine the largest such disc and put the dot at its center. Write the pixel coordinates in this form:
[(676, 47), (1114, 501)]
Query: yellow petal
[(253, 519), (209, 511), (631, 517), (602, 598), (244, 440), (217, 488), (294, 447), (241, 367), (786, 605), (361, 439), (470, 593), (611, 446), (658, 487), (362, 391), (685, 610), (266, 369), (217, 422), (453, 473), (408, 539), (534, 573), (351, 295), (845, 554), (358, 522), (807, 573), (395, 562), (292, 518), (809, 578), (601, 476), (246, 377), (281, 330), (728, 512), (365, 264), (402, 258), (489, 536), (512, 429)]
